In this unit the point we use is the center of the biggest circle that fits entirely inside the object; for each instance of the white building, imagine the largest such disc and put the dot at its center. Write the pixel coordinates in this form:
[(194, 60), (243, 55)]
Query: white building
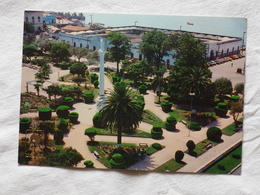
[(35, 18), (216, 45)]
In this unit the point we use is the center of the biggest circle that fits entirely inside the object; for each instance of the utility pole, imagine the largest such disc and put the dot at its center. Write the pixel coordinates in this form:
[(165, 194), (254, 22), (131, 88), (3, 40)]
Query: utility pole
[(91, 19)]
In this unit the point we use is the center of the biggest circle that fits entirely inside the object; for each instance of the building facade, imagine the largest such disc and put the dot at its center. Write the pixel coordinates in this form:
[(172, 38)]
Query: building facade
[(35, 18)]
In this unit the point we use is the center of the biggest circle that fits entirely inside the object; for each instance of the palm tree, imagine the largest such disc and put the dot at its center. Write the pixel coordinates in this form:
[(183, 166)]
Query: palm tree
[(198, 81), (121, 111)]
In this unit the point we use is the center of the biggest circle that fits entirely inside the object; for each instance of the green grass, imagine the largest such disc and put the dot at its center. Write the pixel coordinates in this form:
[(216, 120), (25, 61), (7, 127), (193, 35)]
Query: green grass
[(58, 147), (171, 166), (137, 133), (228, 162), (201, 146), (231, 129), (150, 150), (177, 115), (151, 118)]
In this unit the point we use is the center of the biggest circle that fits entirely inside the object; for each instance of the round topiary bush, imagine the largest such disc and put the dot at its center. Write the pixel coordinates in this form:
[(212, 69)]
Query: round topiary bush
[(156, 132), (96, 83), (93, 77), (88, 97), (24, 124), (97, 120), (221, 109), (170, 123), (68, 101), (45, 113), (63, 111), (117, 161), (73, 116), (214, 134), (166, 106), (157, 146), (63, 125), (91, 133), (194, 126), (89, 164), (64, 66), (179, 155), (142, 89), (58, 137), (234, 98), (191, 145)]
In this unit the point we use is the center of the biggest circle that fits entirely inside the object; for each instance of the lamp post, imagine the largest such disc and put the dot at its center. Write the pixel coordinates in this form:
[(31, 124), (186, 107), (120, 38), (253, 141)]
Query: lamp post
[(135, 22), (191, 94), (180, 28)]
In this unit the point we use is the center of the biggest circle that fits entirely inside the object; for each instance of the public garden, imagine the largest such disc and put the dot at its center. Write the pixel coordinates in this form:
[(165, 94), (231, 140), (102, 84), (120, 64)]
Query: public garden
[(153, 118)]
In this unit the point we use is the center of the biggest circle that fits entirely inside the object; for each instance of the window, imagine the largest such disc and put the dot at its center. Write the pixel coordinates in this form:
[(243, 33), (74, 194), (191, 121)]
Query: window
[(228, 51), (132, 55), (39, 19), (140, 57), (33, 20), (26, 19), (94, 48), (74, 44), (80, 45)]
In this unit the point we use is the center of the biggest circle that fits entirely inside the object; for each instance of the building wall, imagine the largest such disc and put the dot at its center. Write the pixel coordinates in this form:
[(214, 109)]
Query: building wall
[(36, 18), (49, 19)]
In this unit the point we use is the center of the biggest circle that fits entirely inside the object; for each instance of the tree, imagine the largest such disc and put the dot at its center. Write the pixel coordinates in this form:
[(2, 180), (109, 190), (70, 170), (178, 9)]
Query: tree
[(93, 57), (79, 80), (60, 51), (29, 51), (78, 68), (179, 155), (214, 134), (67, 157), (120, 47), (239, 88), (91, 133), (37, 87), (53, 90), (79, 52), (191, 146), (47, 127), (235, 110), (28, 27), (121, 111), (223, 86)]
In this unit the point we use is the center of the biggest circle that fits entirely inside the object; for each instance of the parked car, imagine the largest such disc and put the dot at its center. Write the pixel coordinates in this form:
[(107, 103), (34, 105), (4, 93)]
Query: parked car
[(218, 61), (226, 59), (223, 60), (229, 58), (213, 62)]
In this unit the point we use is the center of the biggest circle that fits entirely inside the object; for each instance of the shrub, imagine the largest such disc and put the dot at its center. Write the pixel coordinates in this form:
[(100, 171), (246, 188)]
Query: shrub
[(156, 132), (88, 97), (89, 164), (214, 134), (234, 98), (64, 66), (221, 109), (142, 89), (117, 161), (170, 123), (63, 125), (73, 116), (194, 126), (97, 120), (115, 79), (24, 124), (221, 167), (157, 146), (93, 77), (63, 111), (68, 101), (45, 113), (191, 145), (78, 68), (91, 133), (79, 80), (179, 155), (96, 83), (140, 98), (58, 137), (166, 106)]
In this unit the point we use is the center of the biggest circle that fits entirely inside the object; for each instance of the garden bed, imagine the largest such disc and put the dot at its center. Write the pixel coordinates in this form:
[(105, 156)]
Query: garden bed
[(170, 166), (231, 129)]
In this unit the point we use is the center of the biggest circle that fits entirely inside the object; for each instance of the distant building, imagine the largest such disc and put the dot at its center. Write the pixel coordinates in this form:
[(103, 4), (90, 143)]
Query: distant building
[(49, 17), (217, 46), (35, 18)]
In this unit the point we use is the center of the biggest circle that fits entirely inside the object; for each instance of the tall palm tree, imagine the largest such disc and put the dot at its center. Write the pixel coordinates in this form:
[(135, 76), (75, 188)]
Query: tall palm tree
[(121, 111), (197, 80)]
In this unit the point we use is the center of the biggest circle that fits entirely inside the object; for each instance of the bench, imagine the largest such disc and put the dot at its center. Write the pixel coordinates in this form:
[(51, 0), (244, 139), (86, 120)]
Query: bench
[(208, 146), (184, 122), (96, 154), (143, 144)]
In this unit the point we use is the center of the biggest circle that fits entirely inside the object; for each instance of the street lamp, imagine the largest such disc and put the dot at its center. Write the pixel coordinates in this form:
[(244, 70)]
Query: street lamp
[(180, 28), (135, 22), (191, 94)]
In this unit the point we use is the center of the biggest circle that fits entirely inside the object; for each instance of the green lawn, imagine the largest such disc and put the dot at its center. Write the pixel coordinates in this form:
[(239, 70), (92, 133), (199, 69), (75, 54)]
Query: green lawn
[(171, 166), (201, 146), (137, 133), (177, 115), (228, 163), (231, 129), (151, 118)]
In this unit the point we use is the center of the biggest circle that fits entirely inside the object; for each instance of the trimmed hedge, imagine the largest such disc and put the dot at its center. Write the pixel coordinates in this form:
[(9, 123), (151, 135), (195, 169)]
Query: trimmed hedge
[(45, 113), (194, 126), (191, 145), (63, 111), (91, 133), (89, 164), (73, 116), (64, 65), (93, 77), (58, 137), (96, 83), (166, 106), (68, 101), (234, 98), (221, 109), (97, 120), (142, 89), (63, 125), (88, 97), (179, 155), (117, 161), (24, 124), (156, 132), (170, 123), (214, 134), (157, 146)]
